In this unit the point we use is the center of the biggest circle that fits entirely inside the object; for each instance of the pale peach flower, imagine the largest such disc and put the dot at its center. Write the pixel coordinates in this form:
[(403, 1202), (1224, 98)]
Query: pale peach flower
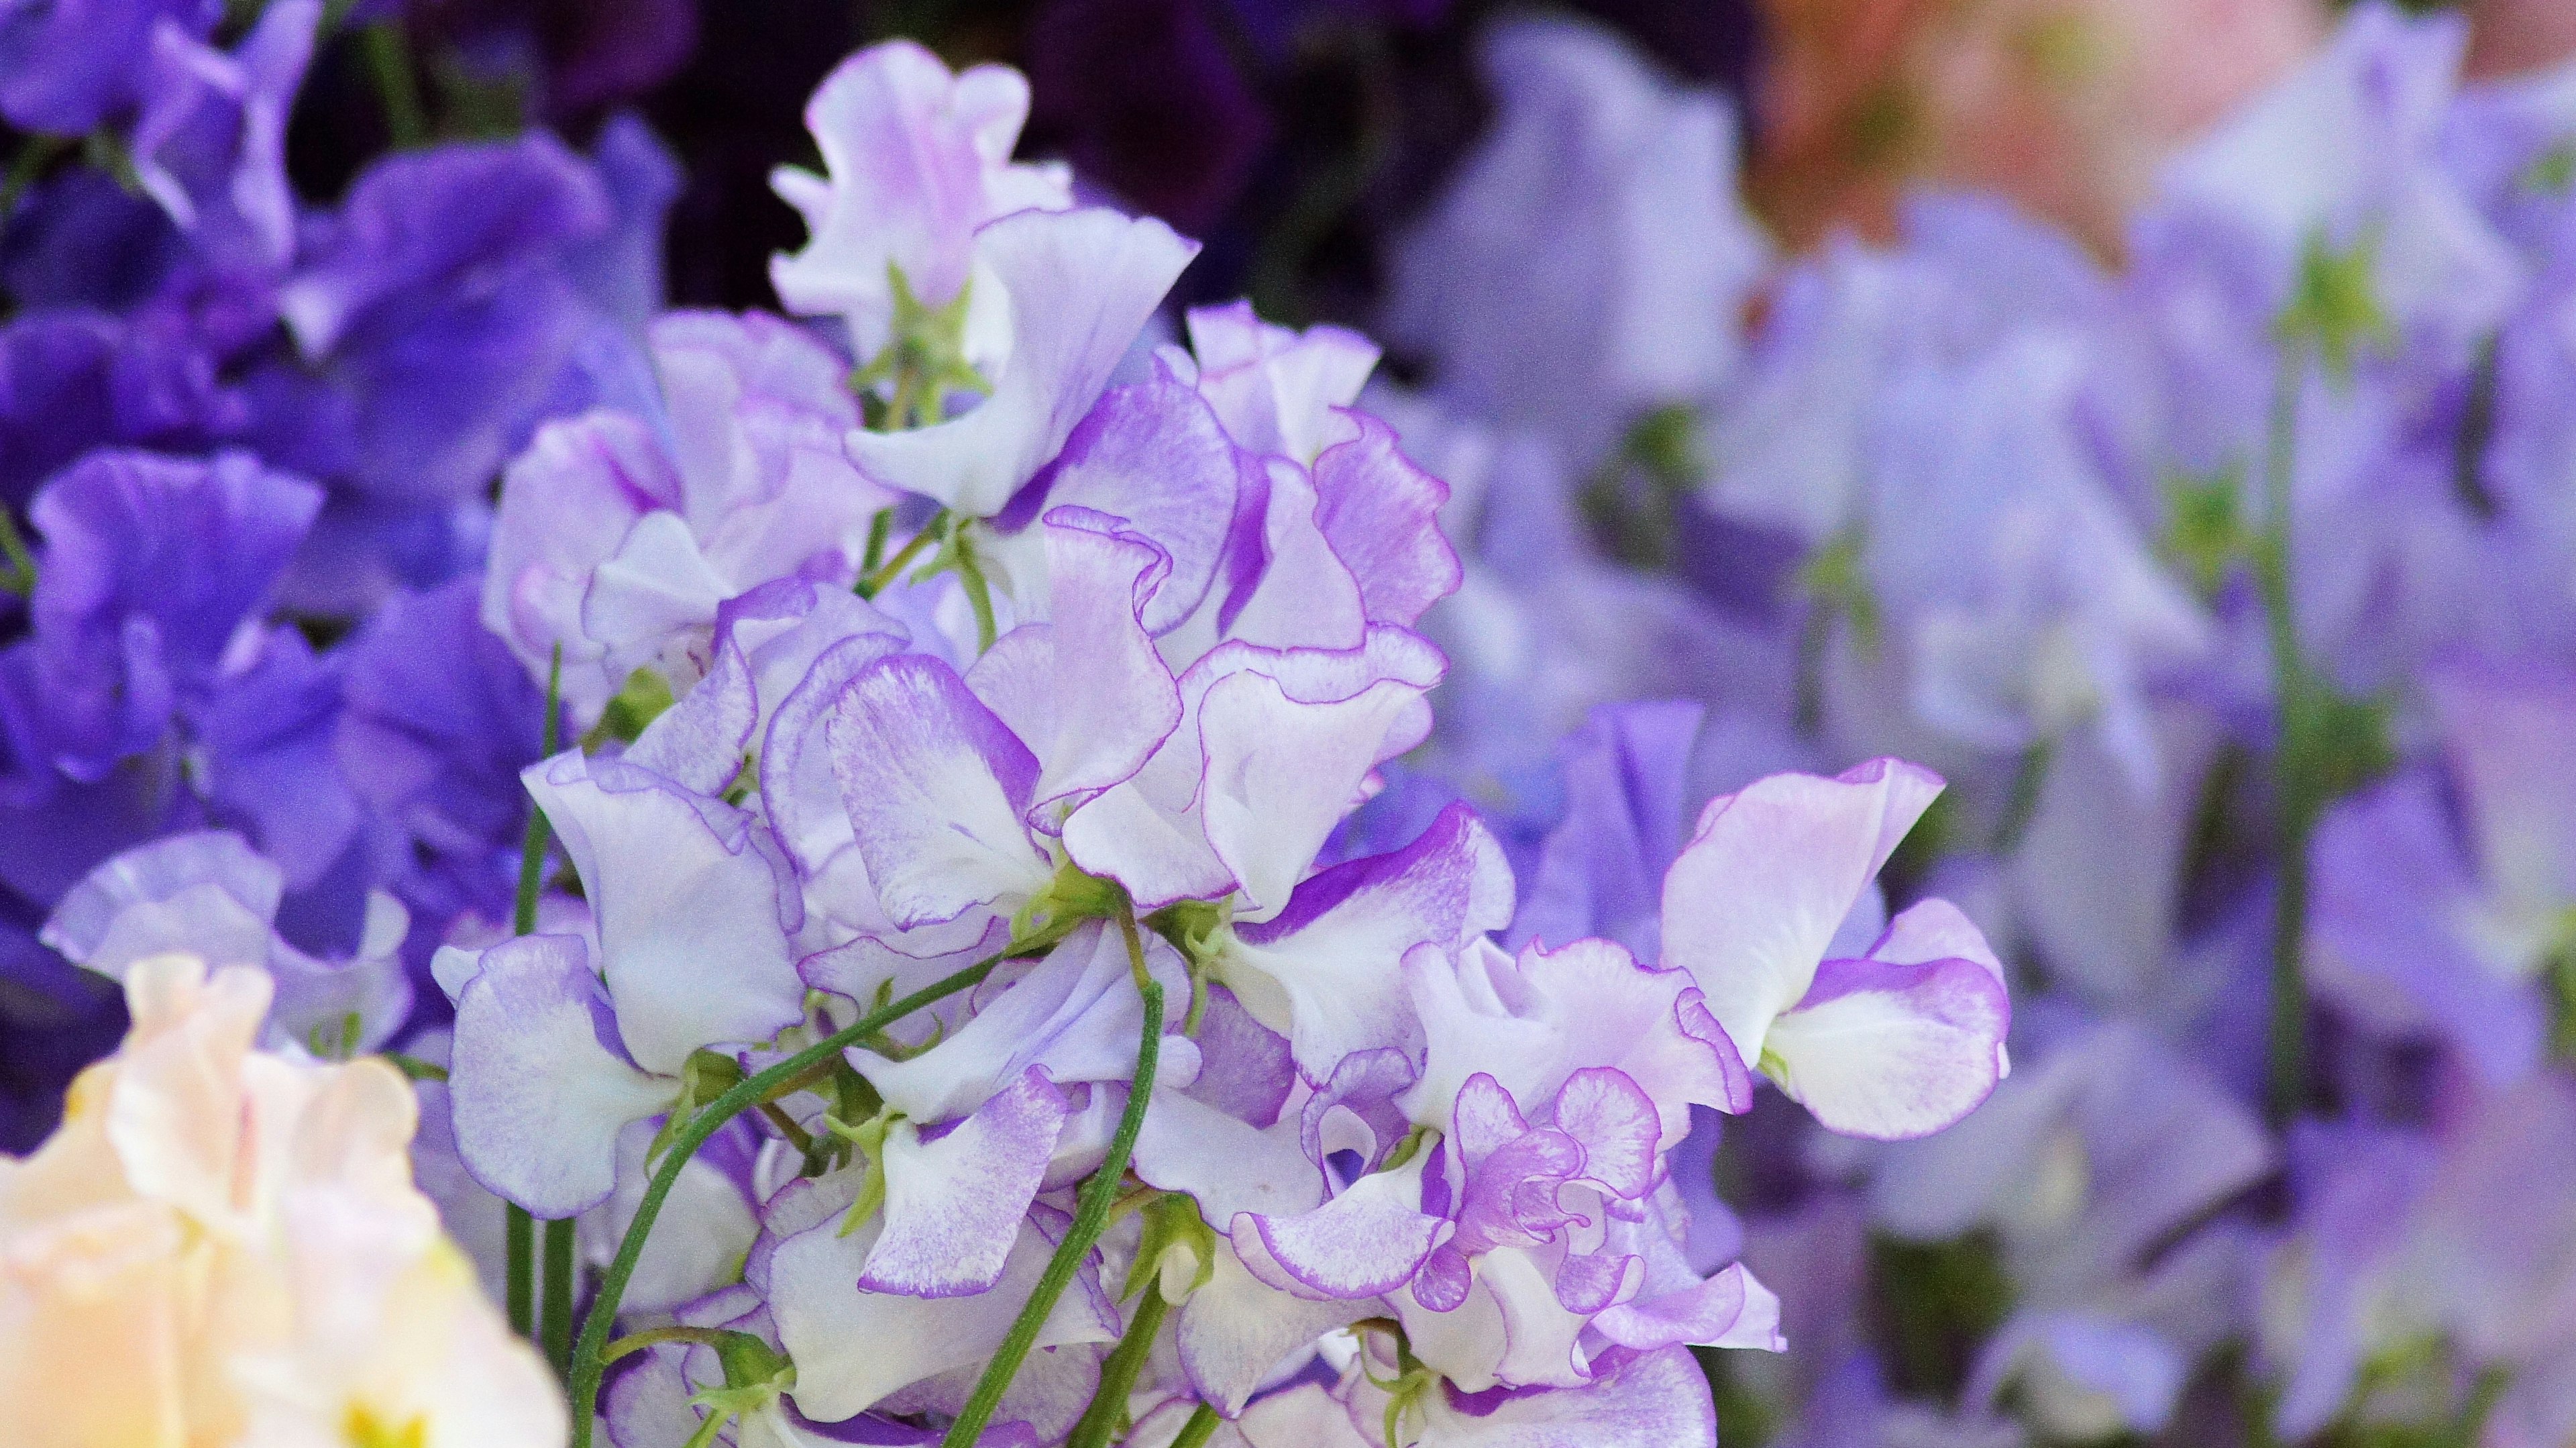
[(2512, 37), (2065, 106), (222, 1246)]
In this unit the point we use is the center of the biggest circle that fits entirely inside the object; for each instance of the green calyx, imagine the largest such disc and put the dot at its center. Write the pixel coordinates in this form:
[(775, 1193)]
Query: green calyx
[(867, 1138), (1409, 1148), (1176, 1241), (907, 384), (706, 1075), (2334, 303), (755, 1375), (1835, 578), (2206, 531), (1068, 900), (1201, 930), (638, 703), (1409, 1389)]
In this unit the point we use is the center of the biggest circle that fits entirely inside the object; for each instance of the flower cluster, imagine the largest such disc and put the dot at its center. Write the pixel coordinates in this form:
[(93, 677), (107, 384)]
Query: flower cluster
[(943, 993), (2230, 584)]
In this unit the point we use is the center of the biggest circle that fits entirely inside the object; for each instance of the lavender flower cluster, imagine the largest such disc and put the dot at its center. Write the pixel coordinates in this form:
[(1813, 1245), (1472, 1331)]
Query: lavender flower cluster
[(937, 994), (989, 858)]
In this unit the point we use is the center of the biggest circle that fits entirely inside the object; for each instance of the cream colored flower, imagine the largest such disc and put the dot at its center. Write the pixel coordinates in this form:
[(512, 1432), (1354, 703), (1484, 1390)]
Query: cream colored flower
[(222, 1246)]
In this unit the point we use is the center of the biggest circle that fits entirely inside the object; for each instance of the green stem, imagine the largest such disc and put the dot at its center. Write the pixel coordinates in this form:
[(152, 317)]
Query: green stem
[(2286, 1047), (520, 1227), (1200, 1428), (389, 57), (874, 583), (1118, 1374), (21, 577), (588, 1358), (635, 1342), (979, 595), (708, 1429), (555, 1320), (532, 846), (2022, 804), (521, 1237), (1090, 1218)]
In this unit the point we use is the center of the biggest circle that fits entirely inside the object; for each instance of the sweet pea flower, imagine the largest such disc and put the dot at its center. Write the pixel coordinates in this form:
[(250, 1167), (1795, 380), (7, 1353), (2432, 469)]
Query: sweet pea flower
[(209, 892), (240, 1230), (1898, 1042), (210, 144), (562, 1039), (917, 159), (1593, 257), (621, 535)]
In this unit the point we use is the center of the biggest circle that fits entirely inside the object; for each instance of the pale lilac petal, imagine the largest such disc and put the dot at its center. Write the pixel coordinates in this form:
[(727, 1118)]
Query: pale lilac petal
[(1160, 854), (1616, 1123), (859, 968), (1660, 1400), (1326, 969), (1730, 1309), (567, 502), (953, 1207), (1075, 1015), (1286, 751), (657, 587), (206, 892), (1280, 391), (1085, 689), (853, 1348), (688, 913), (917, 159), (1363, 1243), (1768, 876), (538, 1088), (1382, 516), (1227, 1165), (1080, 285), (698, 742), (936, 787), (1154, 455), (1306, 597), (1235, 1332), (1893, 1051), (798, 792)]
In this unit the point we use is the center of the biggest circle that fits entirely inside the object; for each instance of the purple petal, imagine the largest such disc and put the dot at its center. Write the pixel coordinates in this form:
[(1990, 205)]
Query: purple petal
[(1366, 1242), (1382, 516), (1730, 1309), (1893, 1051), (1327, 963), (538, 1088), (1770, 874), (936, 789), (953, 1207), (1081, 284), (688, 910)]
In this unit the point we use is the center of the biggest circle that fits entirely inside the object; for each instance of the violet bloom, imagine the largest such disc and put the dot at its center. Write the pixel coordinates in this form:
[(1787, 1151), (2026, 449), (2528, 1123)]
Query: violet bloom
[(209, 894), (2086, 1166), (65, 68), (151, 569), (426, 352), (1896, 1043), (73, 379), (210, 144), (917, 160), (621, 534), (1592, 258), (922, 194), (2436, 910)]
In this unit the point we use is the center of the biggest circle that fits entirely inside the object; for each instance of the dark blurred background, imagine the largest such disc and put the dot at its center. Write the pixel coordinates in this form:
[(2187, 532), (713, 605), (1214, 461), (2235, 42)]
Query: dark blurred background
[(1288, 135)]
